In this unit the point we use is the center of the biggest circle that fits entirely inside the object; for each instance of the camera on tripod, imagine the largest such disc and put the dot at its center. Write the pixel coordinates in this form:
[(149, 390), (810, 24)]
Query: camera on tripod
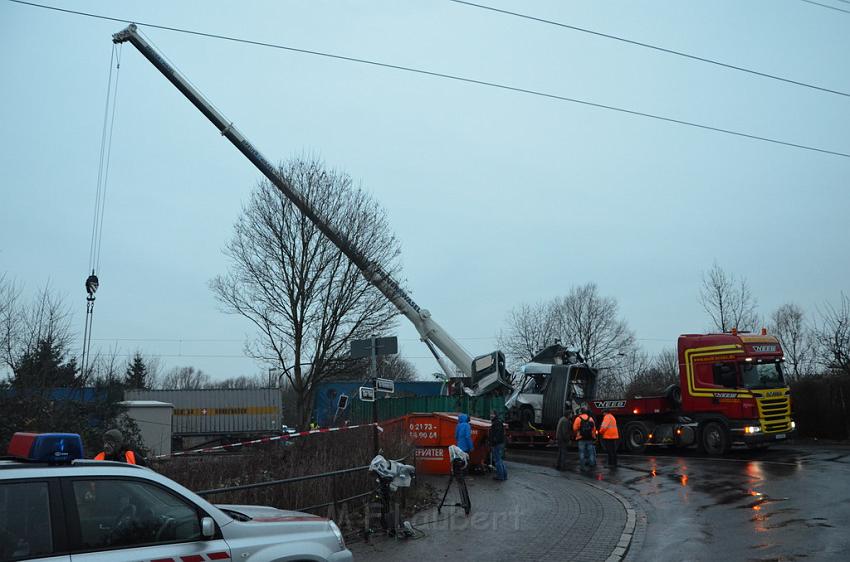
[(390, 476)]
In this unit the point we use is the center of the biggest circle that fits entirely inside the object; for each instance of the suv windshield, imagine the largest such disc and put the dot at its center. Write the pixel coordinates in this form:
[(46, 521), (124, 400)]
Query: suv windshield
[(762, 375)]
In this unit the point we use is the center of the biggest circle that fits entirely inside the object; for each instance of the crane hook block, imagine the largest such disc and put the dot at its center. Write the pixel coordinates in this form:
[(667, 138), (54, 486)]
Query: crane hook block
[(92, 284)]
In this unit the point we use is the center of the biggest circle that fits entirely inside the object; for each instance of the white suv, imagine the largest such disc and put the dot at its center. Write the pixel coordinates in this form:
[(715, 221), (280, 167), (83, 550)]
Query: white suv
[(101, 511)]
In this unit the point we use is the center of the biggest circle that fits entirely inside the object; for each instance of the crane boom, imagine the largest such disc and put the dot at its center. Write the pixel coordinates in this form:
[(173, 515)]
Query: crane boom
[(481, 369)]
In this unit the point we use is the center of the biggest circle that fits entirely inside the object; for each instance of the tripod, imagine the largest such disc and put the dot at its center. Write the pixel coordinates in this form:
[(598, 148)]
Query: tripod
[(457, 475)]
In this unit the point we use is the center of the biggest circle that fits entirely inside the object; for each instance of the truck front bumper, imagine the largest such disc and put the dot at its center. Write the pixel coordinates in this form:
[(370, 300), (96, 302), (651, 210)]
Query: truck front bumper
[(741, 437)]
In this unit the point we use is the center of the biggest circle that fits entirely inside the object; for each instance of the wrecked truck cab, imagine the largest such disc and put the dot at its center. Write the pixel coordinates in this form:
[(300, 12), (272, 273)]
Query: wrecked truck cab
[(546, 390)]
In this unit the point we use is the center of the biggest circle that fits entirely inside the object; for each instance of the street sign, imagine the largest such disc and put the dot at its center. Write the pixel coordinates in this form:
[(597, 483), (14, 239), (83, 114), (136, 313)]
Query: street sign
[(385, 385), (342, 402), (383, 346), (367, 394)]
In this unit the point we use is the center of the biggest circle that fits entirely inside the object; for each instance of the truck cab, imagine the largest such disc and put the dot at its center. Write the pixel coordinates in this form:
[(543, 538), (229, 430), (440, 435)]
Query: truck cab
[(735, 382), (731, 391)]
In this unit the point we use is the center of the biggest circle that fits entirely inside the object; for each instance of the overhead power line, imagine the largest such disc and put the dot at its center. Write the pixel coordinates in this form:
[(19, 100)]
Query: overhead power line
[(827, 6), (457, 78), (653, 47)]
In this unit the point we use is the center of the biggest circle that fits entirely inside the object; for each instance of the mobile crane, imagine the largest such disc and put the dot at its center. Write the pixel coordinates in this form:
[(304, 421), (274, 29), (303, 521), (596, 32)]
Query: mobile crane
[(487, 372)]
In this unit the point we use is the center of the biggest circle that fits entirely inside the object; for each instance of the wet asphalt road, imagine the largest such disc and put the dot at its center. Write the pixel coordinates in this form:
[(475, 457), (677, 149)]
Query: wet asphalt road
[(791, 502)]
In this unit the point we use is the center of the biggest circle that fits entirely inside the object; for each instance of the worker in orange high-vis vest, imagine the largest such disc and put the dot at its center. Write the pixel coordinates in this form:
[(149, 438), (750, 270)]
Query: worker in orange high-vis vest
[(610, 437), (584, 428), (114, 450)]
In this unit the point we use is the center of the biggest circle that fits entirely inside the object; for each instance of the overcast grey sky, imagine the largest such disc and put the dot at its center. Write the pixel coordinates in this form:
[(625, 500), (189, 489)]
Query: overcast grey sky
[(498, 198)]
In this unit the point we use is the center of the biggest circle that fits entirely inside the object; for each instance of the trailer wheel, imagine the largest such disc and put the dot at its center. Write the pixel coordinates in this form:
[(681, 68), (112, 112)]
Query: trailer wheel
[(714, 439), (635, 436)]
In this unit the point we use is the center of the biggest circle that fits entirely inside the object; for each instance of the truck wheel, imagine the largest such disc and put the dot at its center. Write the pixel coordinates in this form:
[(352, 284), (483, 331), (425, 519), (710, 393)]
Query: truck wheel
[(714, 439), (635, 437)]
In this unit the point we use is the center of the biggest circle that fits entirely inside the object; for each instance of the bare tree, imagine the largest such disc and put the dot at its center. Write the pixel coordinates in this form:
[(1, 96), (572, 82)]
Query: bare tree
[(185, 378), (663, 372), (614, 381), (788, 323), (728, 301), (25, 328), (155, 370), (530, 329), (666, 362), (10, 321), (242, 381), (392, 367), (834, 337), (106, 369), (305, 297), (590, 323)]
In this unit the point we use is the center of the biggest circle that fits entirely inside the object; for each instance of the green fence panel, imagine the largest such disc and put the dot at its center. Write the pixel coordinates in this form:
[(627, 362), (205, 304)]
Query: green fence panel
[(388, 408)]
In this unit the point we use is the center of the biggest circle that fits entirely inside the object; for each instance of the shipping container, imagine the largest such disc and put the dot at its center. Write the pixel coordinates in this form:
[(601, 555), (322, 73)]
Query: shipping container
[(215, 412), (154, 422)]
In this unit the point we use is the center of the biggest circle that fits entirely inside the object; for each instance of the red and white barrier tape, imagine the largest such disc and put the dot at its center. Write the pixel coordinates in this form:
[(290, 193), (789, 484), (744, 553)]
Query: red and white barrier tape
[(270, 439)]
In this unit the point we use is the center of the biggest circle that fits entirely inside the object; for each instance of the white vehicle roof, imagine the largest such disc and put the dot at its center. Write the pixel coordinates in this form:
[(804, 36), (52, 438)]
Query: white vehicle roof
[(536, 369)]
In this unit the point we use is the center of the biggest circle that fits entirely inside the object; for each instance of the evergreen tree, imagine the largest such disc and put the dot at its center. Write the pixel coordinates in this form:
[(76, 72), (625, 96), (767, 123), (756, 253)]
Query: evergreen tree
[(45, 367), (137, 373)]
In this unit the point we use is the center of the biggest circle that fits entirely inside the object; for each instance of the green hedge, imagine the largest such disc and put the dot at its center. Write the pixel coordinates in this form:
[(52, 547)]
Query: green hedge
[(821, 406)]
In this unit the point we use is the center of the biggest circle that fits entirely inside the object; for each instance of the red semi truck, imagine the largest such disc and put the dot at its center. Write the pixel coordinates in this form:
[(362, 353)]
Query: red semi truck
[(731, 391)]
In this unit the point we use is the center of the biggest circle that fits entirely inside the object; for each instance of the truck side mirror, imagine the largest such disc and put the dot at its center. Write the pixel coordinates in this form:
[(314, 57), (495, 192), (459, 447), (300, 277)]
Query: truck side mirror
[(207, 527)]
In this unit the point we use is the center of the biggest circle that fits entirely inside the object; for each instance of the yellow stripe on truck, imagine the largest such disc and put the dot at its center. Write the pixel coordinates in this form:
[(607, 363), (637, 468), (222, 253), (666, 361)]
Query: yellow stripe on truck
[(706, 353)]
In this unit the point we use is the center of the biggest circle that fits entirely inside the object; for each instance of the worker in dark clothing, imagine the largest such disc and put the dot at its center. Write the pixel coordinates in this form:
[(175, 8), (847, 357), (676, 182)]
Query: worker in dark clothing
[(562, 438), (497, 445), (114, 450)]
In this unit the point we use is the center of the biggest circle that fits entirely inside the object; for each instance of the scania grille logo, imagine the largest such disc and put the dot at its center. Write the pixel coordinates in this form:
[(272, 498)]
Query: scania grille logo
[(603, 404), (764, 348)]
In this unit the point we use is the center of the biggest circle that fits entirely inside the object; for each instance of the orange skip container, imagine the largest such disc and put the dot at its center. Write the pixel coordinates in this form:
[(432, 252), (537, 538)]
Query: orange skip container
[(434, 432)]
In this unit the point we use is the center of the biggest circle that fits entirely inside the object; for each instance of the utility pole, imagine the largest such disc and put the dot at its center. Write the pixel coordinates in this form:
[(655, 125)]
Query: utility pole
[(373, 374)]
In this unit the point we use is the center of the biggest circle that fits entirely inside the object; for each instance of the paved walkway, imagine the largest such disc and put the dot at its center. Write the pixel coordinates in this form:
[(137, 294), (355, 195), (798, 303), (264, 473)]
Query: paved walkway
[(538, 514)]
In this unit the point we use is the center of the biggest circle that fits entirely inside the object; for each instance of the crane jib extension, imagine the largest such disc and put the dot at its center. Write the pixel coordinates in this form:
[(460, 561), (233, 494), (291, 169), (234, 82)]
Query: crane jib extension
[(487, 371)]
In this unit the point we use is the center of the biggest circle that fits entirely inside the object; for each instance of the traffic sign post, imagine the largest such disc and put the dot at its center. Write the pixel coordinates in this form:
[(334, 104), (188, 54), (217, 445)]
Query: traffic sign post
[(371, 348), (341, 404), (385, 385), (381, 346)]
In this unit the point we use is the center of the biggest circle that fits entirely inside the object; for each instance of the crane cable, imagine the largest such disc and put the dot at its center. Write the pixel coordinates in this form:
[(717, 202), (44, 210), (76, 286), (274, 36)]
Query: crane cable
[(92, 282)]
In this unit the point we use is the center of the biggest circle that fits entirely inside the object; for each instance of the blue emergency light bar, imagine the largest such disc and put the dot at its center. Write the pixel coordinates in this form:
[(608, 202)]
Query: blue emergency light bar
[(52, 448)]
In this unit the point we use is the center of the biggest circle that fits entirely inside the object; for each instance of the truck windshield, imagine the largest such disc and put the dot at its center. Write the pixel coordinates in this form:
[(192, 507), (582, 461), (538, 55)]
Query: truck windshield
[(534, 384), (762, 375)]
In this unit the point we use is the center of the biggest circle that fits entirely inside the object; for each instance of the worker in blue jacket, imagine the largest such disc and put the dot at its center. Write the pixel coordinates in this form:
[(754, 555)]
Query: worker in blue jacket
[(463, 433)]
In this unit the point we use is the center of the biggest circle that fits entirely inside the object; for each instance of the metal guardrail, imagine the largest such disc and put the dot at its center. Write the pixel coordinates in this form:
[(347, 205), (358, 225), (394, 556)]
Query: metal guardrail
[(280, 482), (302, 479)]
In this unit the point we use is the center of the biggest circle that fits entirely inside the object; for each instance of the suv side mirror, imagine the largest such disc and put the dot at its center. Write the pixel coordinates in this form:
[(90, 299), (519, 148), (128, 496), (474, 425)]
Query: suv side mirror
[(207, 527)]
